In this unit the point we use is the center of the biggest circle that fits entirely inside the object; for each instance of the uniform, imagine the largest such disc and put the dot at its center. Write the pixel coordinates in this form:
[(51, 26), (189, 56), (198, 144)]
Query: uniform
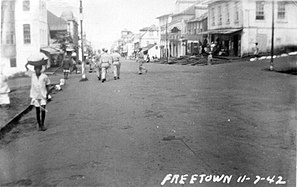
[(116, 65), (97, 67), (105, 62)]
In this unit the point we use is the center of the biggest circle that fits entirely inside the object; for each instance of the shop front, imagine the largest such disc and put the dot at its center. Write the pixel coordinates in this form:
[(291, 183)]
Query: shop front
[(227, 41)]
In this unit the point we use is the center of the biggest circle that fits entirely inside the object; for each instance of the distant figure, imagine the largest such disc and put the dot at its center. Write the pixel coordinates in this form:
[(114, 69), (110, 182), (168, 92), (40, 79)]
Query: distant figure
[(140, 60), (209, 58), (74, 67), (148, 58), (257, 51), (67, 63), (116, 64), (97, 65), (105, 63)]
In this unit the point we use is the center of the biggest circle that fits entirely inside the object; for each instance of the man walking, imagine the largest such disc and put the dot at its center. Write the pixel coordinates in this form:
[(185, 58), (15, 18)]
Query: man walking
[(67, 63), (97, 65), (105, 62), (116, 64)]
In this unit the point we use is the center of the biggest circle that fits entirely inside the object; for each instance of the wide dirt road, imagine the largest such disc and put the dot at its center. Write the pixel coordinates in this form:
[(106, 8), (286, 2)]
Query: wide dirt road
[(232, 119)]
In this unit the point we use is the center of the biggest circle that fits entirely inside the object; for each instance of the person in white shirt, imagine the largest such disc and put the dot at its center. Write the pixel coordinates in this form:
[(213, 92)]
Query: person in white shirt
[(39, 92), (116, 64), (105, 63)]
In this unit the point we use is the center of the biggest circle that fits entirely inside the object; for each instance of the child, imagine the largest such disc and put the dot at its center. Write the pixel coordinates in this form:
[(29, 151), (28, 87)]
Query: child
[(39, 93), (140, 60)]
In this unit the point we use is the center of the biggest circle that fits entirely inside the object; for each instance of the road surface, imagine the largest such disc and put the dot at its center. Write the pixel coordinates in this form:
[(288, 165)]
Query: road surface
[(232, 120)]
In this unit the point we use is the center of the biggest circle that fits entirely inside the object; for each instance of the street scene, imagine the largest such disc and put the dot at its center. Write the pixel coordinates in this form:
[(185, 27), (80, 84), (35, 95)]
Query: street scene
[(191, 93)]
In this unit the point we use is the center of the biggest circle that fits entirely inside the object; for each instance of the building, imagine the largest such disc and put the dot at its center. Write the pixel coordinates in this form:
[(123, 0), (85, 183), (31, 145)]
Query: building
[(125, 44), (174, 27), (197, 36), (164, 20), (177, 29), (236, 25), (196, 31), (72, 26), (150, 36), (24, 31), (57, 29), (181, 5)]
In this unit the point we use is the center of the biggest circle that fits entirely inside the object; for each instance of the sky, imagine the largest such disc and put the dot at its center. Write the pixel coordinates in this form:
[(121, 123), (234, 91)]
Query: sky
[(104, 20)]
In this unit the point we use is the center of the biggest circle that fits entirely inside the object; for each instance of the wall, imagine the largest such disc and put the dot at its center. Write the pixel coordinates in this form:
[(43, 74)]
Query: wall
[(260, 30), (233, 22), (37, 18)]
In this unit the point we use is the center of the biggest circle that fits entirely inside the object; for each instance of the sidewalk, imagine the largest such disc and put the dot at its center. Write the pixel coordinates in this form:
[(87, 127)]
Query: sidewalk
[(19, 96)]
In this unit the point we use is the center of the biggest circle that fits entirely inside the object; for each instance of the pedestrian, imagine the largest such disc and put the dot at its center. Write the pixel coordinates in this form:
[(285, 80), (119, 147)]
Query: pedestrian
[(67, 63), (105, 63), (97, 65), (148, 59), (4, 89), (257, 51), (116, 64), (74, 67), (39, 91), (140, 60)]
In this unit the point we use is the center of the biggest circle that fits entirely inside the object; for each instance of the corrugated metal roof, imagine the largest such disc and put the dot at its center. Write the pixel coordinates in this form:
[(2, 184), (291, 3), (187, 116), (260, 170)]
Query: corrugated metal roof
[(55, 23)]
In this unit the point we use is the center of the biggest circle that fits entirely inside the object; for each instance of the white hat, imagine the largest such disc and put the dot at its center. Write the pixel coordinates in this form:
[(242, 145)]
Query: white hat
[(37, 57)]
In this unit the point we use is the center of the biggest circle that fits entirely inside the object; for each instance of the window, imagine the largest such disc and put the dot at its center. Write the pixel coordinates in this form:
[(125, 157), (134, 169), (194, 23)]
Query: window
[(13, 63), (228, 14), (281, 10), (10, 37), (236, 12), (27, 34), (212, 16), (259, 10), (220, 15), (26, 5)]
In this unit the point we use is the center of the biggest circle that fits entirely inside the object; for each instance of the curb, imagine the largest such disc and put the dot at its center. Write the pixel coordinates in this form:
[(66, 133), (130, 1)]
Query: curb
[(13, 122)]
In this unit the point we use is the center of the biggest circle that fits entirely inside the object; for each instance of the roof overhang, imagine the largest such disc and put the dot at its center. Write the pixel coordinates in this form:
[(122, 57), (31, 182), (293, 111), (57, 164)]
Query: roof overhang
[(224, 31)]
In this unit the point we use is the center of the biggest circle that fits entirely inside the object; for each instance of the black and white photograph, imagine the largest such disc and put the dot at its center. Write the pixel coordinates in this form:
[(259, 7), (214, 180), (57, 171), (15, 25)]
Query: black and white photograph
[(148, 93)]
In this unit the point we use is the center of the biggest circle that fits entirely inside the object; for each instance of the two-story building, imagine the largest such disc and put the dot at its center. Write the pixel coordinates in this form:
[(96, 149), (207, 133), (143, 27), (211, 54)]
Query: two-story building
[(174, 27), (24, 31), (150, 40), (236, 25), (196, 31)]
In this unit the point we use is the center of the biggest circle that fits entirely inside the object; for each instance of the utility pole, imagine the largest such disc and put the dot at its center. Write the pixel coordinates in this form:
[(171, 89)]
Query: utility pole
[(83, 63), (272, 38), (167, 54)]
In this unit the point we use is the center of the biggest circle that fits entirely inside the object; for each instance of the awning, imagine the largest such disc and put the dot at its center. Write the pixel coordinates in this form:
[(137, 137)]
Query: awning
[(51, 50), (148, 47), (224, 31)]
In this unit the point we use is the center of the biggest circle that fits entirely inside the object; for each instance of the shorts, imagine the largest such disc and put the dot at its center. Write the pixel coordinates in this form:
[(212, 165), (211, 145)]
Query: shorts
[(116, 63), (38, 102), (105, 65), (66, 70), (4, 99)]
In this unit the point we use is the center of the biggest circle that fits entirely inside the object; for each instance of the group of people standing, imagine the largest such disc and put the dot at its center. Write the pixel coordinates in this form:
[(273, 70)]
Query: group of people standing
[(105, 61)]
